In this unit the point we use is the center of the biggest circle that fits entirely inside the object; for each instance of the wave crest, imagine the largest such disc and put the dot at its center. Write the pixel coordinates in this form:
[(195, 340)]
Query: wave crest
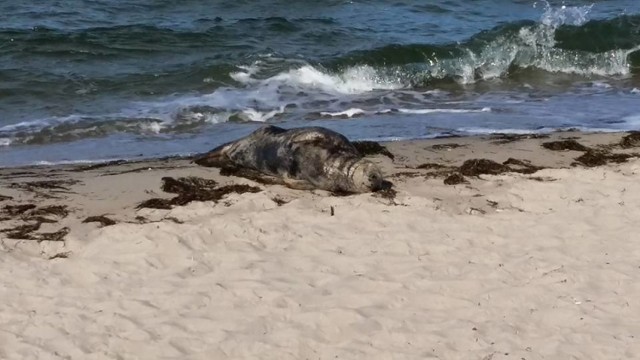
[(352, 80), (562, 41)]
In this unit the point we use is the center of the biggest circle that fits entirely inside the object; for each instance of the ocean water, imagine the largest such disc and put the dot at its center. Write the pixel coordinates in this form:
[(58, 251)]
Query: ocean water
[(91, 80)]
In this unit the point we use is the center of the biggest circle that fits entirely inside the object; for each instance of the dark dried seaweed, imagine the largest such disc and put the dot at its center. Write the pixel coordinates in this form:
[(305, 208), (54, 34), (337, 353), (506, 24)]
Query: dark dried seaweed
[(193, 189)]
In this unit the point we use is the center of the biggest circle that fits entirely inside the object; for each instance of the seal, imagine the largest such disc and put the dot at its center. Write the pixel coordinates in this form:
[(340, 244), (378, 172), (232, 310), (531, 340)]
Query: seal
[(301, 158)]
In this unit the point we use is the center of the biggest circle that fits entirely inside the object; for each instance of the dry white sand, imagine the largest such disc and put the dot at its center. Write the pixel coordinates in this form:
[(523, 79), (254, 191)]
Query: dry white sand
[(512, 266)]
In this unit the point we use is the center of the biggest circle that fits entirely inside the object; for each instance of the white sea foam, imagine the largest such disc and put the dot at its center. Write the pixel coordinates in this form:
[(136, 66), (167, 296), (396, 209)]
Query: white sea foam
[(190, 117), (435, 92), (353, 80), (565, 15), (601, 84), (635, 91), (5, 141), (486, 131), (450, 111), (544, 130), (258, 116), (357, 111), (348, 113), (25, 125), (218, 118), (433, 135), (154, 127), (76, 162), (246, 74)]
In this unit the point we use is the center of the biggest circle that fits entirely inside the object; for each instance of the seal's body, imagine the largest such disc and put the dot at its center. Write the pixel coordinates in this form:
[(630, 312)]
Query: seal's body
[(302, 158)]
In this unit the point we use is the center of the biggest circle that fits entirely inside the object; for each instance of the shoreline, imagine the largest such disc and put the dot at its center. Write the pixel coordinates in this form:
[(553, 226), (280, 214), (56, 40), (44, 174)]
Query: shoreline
[(488, 135), (530, 254)]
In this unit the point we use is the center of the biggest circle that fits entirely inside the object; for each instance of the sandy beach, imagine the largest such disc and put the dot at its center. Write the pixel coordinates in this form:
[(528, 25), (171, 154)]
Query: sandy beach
[(530, 253)]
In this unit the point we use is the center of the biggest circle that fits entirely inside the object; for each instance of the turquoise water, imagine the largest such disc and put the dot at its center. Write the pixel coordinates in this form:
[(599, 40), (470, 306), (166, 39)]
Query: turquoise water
[(94, 80)]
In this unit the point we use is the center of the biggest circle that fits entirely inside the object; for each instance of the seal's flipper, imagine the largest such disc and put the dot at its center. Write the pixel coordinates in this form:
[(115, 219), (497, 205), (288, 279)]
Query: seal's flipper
[(266, 179), (299, 184), (251, 175), (211, 159), (214, 158)]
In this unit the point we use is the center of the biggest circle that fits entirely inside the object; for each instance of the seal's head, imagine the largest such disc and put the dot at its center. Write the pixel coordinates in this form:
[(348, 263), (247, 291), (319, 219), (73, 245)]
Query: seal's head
[(366, 177)]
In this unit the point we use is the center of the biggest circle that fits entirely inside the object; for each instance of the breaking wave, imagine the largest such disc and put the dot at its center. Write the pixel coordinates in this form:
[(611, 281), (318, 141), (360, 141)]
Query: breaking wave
[(563, 41)]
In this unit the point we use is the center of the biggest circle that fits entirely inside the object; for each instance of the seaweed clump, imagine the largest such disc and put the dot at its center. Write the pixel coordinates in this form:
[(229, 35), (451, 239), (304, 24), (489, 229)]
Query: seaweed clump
[(631, 140), (475, 167), (156, 203), (189, 184), (34, 218), (193, 189), (52, 236), (447, 146), (30, 212), (28, 232), (386, 193), (45, 188), (455, 179), (45, 184), (594, 158), (279, 201), (436, 170), (521, 166), (561, 145), (15, 210), (431, 166), (103, 220), (22, 232), (55, 210), (501, 138)]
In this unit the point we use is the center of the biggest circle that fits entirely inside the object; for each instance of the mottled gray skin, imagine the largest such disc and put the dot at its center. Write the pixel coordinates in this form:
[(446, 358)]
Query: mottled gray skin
[(301, 158)]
